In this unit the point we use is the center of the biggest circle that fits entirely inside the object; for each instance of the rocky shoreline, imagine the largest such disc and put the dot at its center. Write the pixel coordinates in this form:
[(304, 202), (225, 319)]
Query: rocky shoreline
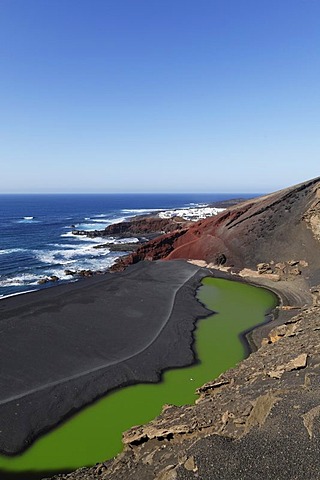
[(132, 235)]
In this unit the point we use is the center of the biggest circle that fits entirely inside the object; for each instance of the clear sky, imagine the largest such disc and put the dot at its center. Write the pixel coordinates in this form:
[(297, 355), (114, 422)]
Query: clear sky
[(158, 95)]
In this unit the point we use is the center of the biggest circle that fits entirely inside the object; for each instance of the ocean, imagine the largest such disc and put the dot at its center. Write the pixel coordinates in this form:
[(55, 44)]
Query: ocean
[(36, 239)]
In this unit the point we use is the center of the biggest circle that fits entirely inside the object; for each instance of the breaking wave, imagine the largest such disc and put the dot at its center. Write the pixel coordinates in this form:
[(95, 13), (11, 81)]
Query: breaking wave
[(8, 251)]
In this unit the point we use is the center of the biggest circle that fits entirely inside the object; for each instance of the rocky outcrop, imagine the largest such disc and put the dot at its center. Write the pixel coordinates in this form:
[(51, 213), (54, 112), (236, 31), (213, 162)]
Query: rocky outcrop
[(139, 226), (82, 273), (118, 247), (156, 249), (312, 216), (44, 280)]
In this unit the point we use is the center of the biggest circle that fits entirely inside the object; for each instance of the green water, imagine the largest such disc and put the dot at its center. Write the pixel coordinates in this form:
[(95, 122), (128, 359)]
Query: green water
[(94, 434)]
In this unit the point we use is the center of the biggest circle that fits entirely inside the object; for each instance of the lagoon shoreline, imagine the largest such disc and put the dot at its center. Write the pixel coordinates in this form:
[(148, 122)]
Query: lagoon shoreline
[(51, 305), (87, 287), (73, 343)]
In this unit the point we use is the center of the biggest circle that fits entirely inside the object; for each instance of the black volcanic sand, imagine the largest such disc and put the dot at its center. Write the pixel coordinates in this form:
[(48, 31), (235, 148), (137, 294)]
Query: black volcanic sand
[(66, 346)]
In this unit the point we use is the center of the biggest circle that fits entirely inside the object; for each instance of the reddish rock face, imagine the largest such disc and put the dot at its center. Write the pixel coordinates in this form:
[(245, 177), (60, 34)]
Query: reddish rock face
[(147, 225), (156, 249), (276, 227)]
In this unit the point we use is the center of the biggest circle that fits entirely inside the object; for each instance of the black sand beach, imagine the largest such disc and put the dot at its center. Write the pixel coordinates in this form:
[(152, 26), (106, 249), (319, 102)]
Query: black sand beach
[(66, 346)]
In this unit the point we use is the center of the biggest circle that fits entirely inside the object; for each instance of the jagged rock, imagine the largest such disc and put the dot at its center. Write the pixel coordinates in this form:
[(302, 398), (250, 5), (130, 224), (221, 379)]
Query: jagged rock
[(119, 247), (264, 268), (280, 266), (190, 464), (154, 250), (138, 226), (309, 418), (260, 411), (295, 271), (70, 272), (85, 273), (312, 215), (293, 263), (52, 278), (82, 273), (315, 292), (296, 363), (220, 259)]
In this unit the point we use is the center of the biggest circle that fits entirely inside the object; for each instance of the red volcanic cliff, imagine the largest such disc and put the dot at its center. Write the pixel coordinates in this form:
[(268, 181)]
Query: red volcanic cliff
[(278, 227)]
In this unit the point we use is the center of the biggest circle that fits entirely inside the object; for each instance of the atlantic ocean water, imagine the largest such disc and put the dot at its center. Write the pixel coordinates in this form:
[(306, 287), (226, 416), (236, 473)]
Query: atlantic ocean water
[(36, 239)]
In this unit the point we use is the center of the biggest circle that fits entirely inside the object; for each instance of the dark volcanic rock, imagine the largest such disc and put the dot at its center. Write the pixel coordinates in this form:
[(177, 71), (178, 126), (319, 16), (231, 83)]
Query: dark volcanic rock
[(119, 247), (156, 249), (138, 226)]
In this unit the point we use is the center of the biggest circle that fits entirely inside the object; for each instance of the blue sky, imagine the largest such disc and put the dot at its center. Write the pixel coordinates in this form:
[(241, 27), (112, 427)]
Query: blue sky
[(158, 95)]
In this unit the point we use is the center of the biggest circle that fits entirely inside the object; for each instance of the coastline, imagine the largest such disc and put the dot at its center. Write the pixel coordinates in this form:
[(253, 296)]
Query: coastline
[(36, 253), (62, 257)]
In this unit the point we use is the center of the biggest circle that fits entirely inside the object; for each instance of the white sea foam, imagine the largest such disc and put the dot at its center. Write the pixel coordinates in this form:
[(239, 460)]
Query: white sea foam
[(93, 264), (57, 272), (82, 238), (8, 251), (91, 226), (27, 220), (63, 245), (18, 280), (96, 222), (102, 219), (124, 240), (140, 210), (72, 254), (68, 234)]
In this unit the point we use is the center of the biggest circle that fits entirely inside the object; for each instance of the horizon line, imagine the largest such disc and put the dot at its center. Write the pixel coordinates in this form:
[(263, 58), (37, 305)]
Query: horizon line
[(131, 193)]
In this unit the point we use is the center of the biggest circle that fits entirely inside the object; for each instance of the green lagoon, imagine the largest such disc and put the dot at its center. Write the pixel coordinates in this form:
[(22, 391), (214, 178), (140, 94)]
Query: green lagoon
[(94, 434)]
